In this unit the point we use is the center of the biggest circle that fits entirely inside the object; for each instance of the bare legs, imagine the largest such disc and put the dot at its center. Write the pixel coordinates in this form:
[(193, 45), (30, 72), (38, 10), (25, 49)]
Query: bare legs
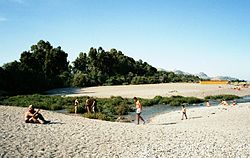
[(38, 118), (184, 114), (75, 109), (139, 117)]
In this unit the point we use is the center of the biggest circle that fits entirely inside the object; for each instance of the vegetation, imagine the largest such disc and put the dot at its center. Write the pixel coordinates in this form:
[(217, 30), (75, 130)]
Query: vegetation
[(44, 67), (41, 68), (107, 108), (222, 97)]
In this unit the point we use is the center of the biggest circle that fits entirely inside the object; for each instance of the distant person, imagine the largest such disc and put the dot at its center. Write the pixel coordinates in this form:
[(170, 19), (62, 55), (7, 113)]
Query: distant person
[(184, 112), (234, 103), (138, 110), (90, 105), (33, 116), (208, 104), (76, 105), (224, 103)]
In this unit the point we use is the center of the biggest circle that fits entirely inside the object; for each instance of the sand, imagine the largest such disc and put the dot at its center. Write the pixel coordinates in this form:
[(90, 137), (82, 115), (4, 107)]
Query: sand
[(152, 90), (209, 132)]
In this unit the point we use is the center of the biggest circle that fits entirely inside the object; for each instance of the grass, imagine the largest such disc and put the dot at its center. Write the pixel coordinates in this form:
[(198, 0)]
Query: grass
[(222, 97), (107, 108)]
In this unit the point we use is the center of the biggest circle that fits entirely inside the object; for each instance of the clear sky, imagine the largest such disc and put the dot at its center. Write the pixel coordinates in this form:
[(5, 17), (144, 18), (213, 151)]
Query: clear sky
[(211, 36)]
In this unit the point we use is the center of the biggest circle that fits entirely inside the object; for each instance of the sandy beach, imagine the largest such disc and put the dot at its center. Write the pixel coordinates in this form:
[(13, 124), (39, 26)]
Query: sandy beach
[(208, 132), (152, 90)]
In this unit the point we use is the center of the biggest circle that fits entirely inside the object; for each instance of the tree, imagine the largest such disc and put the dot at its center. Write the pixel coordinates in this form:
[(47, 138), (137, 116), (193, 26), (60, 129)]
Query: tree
[(81, 63)]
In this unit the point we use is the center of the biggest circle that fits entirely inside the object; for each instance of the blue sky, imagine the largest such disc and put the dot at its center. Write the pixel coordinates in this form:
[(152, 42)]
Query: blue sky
[(211, 36)]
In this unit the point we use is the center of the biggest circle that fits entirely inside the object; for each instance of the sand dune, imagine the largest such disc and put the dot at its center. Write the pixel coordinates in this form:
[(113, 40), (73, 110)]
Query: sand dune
[(209, 132), (152, 90)]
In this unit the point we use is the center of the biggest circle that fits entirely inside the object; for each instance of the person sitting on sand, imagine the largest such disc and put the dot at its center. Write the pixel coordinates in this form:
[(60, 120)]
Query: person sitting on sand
[(90, 105), (33, 116), (138, 110), (184, 112), (76, 105), (234, 103)]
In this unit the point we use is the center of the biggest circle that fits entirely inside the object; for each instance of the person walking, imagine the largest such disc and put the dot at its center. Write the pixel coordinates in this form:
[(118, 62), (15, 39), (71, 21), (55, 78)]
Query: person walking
[(138, 106), (184, 112)]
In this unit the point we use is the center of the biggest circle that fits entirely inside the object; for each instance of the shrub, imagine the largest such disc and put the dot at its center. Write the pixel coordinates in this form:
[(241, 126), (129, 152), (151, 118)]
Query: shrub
[(122, 109), (81, 109), (222, 97), (99, 116)]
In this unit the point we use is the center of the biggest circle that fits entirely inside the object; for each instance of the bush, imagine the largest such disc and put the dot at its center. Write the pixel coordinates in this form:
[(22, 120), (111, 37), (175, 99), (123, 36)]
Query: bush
[(122, 109), (178, 100), (39, 101), (108, 108), (99, 116), (80, 110), (222, 97)]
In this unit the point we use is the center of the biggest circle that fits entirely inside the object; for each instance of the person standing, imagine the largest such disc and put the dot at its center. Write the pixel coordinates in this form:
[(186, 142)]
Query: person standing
[(90, 105), (208, 104), (138, 110), (76, 105), (184, 112)]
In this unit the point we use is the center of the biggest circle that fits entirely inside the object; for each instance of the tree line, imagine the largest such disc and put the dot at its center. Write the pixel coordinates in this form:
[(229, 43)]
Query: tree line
[(44, 67)]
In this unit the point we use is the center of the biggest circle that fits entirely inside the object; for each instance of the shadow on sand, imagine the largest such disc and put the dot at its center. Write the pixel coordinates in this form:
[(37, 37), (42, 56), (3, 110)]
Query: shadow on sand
[(196, 117), (166, 124), (68, 91), (56, 122)]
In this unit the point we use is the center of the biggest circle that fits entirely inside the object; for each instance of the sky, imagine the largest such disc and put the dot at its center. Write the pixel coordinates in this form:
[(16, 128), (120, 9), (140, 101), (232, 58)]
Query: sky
[(210, 36)]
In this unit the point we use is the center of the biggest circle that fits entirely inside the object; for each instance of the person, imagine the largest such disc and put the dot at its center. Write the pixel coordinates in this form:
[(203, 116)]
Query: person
[(184, 112), (224, 103), (76, 105), (138, 110), (33, 116), (208, 104), (234, 103), (90, 105)]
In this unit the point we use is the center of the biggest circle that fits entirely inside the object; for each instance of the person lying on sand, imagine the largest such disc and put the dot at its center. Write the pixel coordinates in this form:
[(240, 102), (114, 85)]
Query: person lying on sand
[(33, 116)]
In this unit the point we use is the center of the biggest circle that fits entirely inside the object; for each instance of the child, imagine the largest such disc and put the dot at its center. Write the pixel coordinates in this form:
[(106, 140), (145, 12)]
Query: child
[(183, 110)]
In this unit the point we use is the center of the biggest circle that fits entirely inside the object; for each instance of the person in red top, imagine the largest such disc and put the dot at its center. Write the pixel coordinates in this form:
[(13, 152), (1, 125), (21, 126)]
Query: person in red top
[(138, 110)]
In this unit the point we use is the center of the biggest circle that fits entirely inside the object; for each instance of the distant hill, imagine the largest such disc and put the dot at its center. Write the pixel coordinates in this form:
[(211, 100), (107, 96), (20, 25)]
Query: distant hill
[(202, 75), (179, 72), (224, 78)]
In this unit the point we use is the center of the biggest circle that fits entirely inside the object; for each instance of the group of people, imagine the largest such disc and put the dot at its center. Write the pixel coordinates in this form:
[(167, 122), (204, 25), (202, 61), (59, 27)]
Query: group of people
[(225, 103), (90, 105), (33, 116), (138, 106)]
